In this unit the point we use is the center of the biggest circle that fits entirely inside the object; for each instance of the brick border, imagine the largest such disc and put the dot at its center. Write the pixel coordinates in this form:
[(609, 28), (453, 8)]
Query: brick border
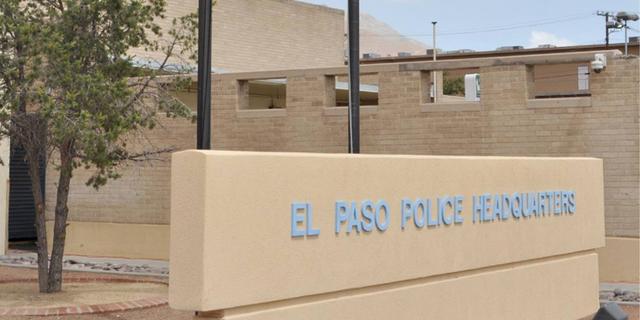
[(84, 309)]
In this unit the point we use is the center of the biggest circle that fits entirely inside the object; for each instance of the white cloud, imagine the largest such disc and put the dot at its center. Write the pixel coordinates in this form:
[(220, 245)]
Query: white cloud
[(540, 37)]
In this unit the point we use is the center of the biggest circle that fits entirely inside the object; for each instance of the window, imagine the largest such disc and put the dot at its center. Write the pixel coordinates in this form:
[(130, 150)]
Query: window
[(583, 78), (453, 86), (368, 90), (263, 94)]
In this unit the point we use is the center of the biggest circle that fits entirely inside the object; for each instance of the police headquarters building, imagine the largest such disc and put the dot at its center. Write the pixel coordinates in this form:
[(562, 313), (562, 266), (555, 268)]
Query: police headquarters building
[(298, 104)]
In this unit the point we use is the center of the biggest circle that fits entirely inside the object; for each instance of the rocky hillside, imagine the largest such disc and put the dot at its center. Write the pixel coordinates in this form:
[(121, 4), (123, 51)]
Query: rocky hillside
[(379, 37)]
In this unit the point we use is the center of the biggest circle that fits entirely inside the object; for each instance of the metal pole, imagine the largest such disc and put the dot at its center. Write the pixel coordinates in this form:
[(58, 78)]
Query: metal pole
[(204, 75), (626, 40), (606, 29), (354, 76), (435, 74)]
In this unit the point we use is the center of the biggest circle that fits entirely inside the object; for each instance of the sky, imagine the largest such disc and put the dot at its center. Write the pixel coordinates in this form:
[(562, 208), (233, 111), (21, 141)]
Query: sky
[(520, 22)]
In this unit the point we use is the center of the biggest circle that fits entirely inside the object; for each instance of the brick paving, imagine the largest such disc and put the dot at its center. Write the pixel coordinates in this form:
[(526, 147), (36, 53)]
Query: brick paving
[(12, 275)]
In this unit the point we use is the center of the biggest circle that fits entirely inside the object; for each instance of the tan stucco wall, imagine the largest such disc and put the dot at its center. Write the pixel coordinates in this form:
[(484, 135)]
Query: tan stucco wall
[(231, 242), (115, 240), (620, 259), (265, 34)]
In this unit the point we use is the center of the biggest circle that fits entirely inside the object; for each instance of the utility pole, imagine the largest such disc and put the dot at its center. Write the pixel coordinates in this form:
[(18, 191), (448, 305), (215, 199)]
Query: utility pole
[(435, 74), (354, 76), (606, 29), (606, 16), (204, 75)]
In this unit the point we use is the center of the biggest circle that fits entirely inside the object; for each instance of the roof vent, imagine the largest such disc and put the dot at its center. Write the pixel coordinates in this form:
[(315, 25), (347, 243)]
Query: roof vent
[(506, 48)]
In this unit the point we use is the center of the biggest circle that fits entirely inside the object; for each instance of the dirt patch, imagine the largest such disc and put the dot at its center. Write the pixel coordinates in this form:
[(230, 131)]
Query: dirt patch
[(23, 295)]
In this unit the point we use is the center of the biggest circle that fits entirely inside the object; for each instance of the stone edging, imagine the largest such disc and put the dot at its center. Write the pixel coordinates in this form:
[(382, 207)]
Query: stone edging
[(96, 308)]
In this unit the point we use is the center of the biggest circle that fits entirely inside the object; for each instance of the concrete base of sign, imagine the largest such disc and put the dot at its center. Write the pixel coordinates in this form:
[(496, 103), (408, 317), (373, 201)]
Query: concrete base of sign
[(620, 260), (562, 287)]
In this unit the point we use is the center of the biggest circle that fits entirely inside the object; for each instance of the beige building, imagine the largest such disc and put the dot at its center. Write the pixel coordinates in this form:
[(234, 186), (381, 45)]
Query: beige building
[(250, 35), (247, 35), (302, 109), (130, 217)]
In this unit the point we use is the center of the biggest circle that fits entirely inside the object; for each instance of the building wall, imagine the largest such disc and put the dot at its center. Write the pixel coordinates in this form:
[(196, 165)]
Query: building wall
[(504, 124), (249, 35), (141, 196)]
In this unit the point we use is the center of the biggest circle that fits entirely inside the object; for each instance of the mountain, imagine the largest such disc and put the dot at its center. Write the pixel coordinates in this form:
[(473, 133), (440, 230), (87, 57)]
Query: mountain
[(379, 37)]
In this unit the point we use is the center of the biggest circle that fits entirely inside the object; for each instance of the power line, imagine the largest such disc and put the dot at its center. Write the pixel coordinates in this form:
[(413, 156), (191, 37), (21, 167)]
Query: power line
[(499, 28), (633, 29)]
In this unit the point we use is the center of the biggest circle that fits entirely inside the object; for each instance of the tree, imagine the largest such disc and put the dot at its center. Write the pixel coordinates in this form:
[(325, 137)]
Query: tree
[(71, 92), (452, 86)]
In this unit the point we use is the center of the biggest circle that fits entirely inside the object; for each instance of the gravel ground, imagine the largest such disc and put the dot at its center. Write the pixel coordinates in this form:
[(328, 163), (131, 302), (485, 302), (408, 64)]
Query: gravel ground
[(164, 313)]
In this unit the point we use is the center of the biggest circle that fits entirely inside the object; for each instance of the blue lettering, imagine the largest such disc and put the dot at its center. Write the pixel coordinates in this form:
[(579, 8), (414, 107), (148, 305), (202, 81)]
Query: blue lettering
[(517, 209), (419, 222), (296, 218), (382, 204), (477, 208), (542, 203), (340, 216), (487, 208), (367, 215), (506, 206), (457, 209), (310, 230), (442, 207), (557, 206), (354, 219), (497, 207), (430, 222), (550, 201), (407, 211), (572, 201)]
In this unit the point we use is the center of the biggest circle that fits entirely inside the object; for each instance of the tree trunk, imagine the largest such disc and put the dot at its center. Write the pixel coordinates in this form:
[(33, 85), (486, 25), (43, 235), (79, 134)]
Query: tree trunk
[(60, 226), (41, 227)]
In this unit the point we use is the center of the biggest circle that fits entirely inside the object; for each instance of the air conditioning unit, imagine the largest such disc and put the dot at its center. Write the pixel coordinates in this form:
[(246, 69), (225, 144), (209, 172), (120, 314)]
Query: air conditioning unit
[(472, 87), (404, 54), (371, 55)]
